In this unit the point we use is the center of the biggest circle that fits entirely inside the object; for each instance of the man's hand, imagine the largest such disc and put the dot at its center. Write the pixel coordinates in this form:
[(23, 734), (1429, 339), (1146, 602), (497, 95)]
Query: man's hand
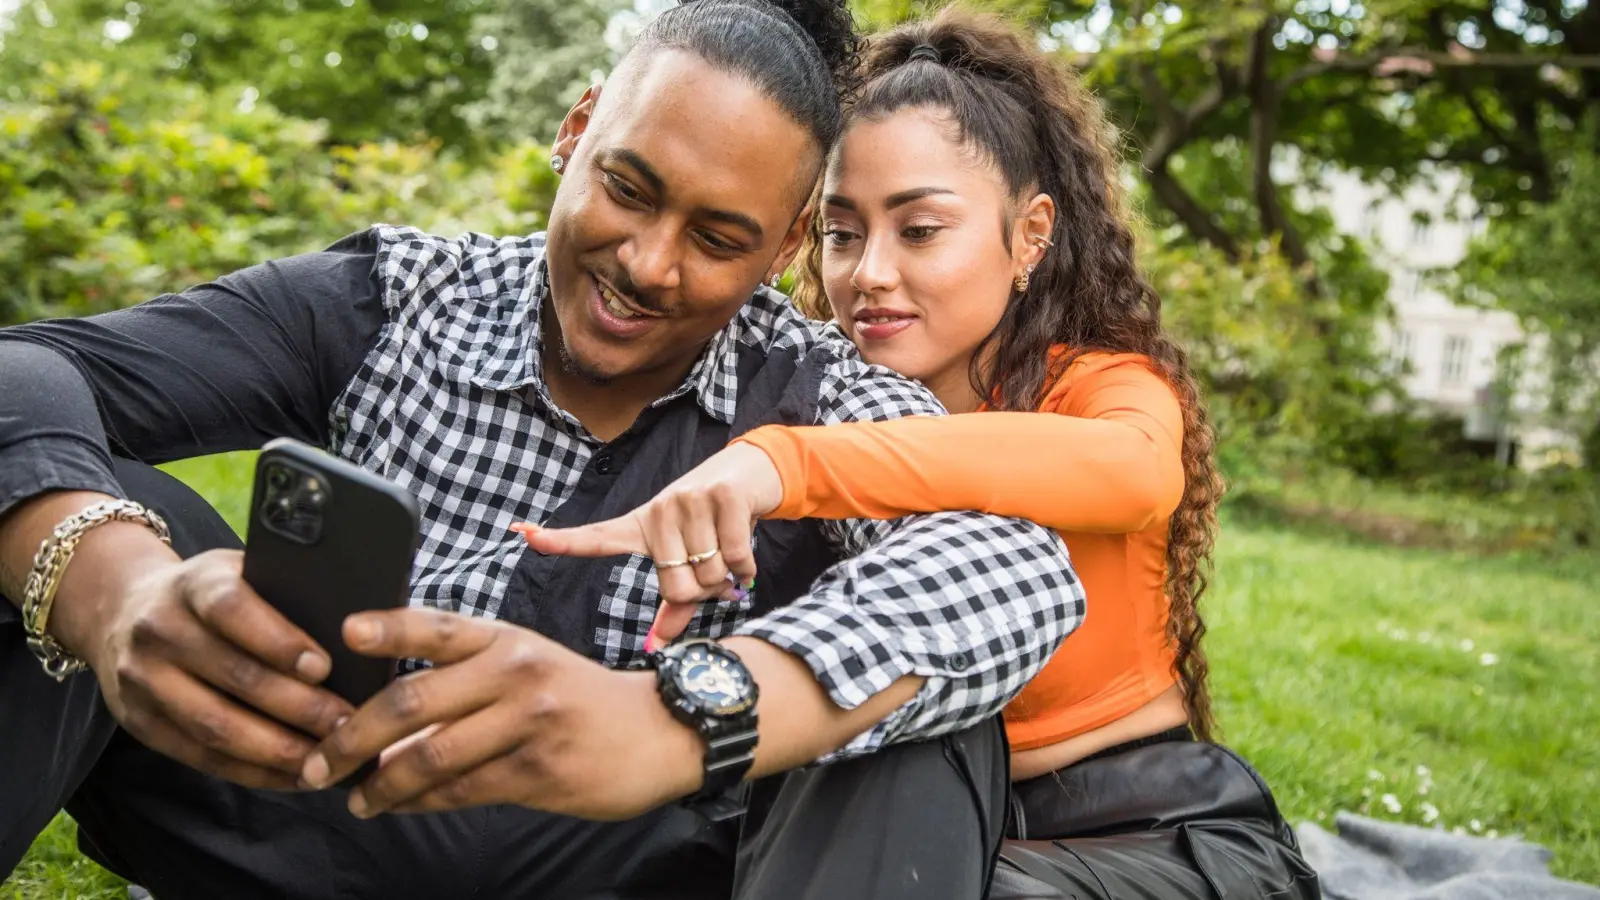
[(520, 719), (194, 664), (697, 530)]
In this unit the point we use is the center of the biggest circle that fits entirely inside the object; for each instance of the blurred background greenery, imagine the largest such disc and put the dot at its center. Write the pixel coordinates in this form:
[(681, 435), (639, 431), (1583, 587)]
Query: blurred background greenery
[(1376, 224), (145, 146)]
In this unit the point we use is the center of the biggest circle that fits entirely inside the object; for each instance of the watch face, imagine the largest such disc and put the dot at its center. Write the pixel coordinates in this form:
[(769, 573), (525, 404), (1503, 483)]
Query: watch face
[(720, 685)]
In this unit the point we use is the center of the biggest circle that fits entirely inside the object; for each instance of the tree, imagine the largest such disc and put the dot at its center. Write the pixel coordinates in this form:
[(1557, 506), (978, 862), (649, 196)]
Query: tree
[(1379, 87), (373, 69), (1544, 267), (117, 187), (1228, 105), (1375, 86), (546, 54)]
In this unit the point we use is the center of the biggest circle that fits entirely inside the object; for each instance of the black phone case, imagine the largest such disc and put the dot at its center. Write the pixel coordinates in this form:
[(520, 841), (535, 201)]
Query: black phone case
[(335, 540)]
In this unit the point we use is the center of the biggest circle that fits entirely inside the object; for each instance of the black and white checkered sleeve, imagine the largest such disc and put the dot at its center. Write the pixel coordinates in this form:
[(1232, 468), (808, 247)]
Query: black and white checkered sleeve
[(974, 603)]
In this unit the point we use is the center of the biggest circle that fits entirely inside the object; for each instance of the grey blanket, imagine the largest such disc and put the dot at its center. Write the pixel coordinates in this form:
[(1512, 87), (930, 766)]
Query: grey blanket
[(1372, 860)]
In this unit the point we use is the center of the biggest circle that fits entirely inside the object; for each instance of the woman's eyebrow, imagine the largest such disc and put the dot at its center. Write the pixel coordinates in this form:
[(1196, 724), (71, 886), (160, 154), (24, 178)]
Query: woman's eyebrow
[(904, 197)]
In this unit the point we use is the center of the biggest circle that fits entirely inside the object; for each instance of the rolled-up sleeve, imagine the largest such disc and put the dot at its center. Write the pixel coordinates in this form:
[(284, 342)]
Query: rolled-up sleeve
[(976, 604), (257, 354), (51, 437)]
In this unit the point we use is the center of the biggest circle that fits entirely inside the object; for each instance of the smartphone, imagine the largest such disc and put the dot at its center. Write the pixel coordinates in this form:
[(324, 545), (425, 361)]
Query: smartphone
[(326, 539)]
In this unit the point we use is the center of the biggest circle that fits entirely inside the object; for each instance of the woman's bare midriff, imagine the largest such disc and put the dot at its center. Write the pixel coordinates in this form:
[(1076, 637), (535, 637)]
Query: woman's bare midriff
[(1161, 714)]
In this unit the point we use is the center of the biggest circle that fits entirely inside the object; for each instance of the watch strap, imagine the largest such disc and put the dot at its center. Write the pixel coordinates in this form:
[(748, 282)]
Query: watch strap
[(730, 752), (730, 742)]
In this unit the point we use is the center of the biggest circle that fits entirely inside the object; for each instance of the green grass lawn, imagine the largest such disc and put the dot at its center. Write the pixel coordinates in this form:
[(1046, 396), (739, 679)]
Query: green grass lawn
[(1414, 685), (1409, 684)]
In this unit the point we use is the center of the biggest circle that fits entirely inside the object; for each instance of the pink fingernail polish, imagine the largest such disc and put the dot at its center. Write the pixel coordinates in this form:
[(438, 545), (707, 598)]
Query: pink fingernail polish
[(651, 642)]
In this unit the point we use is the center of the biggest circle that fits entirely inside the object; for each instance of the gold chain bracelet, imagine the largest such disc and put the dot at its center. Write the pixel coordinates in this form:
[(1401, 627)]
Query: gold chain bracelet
[(50, 565)]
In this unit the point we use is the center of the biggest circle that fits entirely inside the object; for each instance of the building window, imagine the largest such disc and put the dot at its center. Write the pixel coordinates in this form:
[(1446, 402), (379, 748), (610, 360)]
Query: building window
[(1456, 348), (1403, 341), (1372, 222), (1413, 285)]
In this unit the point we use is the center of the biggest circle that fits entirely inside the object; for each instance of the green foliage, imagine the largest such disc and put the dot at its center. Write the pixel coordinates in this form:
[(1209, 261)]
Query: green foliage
[(1546, 513), (123, 189), (1416, 447), (121, 192), (1244, 329), (470, 74), (1569, 496), (878, 14), (1381, 87), (373, 69), (1277, 398), (1212, 95), (1544, 266), (546, 54)]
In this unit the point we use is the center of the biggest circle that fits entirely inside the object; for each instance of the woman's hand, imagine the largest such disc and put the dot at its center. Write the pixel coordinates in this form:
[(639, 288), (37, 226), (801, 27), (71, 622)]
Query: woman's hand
[(697, 530)]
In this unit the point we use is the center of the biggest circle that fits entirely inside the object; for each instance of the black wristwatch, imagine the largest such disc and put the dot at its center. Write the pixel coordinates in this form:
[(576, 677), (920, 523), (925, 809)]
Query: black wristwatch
[(709, 689)]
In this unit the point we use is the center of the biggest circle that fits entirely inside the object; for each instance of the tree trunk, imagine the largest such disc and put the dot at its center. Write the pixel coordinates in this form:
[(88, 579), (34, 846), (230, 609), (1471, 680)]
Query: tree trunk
[(1176, 126), (1169, 193), (1264, 97)]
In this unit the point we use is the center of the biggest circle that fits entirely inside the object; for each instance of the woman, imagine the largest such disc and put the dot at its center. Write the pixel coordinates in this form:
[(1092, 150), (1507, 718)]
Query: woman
[(971, 235)]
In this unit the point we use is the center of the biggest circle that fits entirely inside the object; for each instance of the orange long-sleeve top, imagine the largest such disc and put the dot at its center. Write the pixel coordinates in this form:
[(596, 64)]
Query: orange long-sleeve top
[(1105, 471)]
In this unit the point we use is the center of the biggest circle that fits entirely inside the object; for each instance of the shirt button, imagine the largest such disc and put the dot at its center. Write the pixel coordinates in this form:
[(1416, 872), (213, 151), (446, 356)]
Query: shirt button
[(602, 463), (960, 661)]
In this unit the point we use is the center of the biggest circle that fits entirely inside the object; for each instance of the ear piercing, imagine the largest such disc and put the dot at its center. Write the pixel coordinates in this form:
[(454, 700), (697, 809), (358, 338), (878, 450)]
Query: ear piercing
[(1021, 281)]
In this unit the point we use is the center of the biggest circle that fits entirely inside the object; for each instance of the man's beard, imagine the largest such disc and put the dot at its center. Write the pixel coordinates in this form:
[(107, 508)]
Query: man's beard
[(573, 366), (570, 364)]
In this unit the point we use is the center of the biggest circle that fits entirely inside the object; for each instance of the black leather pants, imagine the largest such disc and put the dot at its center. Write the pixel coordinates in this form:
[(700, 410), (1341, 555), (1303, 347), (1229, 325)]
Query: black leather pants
[(1174, 819)]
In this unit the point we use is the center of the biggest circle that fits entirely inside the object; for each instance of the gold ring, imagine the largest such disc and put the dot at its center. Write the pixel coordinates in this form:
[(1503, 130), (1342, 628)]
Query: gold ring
[(696, 559), (671, 563)]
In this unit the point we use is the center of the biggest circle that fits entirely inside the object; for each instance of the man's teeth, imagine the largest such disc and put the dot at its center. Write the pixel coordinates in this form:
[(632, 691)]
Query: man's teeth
[(615, 307)]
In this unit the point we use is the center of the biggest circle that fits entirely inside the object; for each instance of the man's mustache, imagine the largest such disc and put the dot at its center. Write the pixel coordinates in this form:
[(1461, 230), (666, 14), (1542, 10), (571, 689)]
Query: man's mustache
[(617, 279)]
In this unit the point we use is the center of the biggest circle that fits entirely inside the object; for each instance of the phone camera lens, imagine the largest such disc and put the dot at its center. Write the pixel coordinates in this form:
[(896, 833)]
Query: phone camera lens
[(292, 502), (277, 478)]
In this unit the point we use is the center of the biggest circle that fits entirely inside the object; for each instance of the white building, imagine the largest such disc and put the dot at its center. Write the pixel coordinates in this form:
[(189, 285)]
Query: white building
[(1450, 353)]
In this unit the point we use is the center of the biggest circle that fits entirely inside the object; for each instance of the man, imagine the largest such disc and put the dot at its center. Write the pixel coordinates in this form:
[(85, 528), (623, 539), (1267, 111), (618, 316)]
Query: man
[(558, 378)]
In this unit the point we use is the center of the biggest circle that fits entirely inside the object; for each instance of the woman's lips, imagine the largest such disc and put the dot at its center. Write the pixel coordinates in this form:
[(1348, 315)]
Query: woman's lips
[(880, 325)]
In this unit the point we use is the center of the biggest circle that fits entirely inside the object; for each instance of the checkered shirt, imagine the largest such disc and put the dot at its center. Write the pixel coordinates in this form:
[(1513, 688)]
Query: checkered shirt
[(452, 404)]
